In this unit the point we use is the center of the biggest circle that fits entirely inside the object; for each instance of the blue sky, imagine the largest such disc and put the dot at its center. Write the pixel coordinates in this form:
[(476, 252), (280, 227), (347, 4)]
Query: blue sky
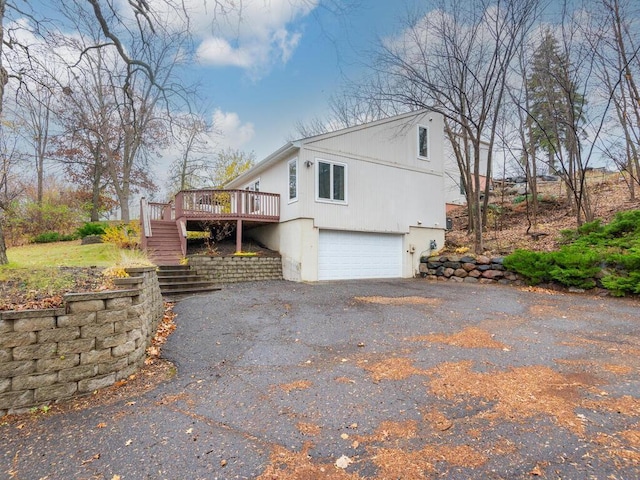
[(259, 99)]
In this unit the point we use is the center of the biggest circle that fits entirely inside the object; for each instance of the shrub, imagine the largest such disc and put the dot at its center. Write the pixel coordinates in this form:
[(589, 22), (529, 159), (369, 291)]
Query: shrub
[(47, 217), (91, 228), (124, 235), (521, 198), (587, 250), (573, 267), (620, 285), (534, 266), (49, 237)]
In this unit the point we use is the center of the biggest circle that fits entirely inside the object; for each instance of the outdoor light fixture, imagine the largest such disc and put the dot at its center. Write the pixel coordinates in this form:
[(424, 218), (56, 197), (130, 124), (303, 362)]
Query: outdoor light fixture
[(308, 163)]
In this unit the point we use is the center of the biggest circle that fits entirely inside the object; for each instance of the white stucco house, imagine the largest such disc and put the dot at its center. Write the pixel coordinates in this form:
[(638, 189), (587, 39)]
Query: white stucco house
[(362, 202)]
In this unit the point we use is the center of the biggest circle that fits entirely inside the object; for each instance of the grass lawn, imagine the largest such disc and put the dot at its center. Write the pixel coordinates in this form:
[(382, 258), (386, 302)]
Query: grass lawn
[(38, 271), (68, 254)]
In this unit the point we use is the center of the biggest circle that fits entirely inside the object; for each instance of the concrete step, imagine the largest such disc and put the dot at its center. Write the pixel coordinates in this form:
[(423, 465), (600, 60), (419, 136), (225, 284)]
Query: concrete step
[(173, 295), (183, 278), (179, 280), (199, 284)]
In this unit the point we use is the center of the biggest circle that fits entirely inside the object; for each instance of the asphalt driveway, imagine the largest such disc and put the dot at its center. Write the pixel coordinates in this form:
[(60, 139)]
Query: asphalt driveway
[(401, 379)]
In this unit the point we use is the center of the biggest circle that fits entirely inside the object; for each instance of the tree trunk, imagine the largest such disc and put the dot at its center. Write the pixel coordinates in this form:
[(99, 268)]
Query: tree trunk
[(4, 78), (3, 248)]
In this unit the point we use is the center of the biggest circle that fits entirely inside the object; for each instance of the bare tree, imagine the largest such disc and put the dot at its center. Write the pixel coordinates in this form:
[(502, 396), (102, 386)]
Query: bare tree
[(455, 61), (10, 182), (189, 170), (34, 110), (619, 69)]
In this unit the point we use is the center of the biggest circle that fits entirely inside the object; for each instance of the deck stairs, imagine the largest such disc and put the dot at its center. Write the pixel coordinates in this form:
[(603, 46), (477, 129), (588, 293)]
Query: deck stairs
[(180, 280), (164, 245)]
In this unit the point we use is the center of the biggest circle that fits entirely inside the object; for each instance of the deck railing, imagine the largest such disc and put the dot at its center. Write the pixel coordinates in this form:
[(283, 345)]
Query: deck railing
[(243, 204), (161, 211), (145, 222)]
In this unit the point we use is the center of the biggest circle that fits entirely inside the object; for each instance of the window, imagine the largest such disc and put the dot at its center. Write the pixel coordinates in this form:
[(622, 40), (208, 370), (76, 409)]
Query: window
[(293, 179), (254, 187), (332, 181), (254, 200), (423, 142)]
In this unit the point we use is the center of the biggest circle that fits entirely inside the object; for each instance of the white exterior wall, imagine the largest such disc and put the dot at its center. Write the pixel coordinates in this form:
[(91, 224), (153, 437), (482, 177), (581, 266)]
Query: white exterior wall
[(389, 190), (452, 173), (420, 238), (297, 242)]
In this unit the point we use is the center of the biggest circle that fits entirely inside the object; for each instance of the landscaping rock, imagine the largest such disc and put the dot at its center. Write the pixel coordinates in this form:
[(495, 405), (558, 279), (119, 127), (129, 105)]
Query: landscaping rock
[(90, 239)]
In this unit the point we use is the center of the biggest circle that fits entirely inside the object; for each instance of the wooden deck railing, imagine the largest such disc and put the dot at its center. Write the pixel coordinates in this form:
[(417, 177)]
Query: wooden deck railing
[(226, 204), (211, 205), (215, 204)]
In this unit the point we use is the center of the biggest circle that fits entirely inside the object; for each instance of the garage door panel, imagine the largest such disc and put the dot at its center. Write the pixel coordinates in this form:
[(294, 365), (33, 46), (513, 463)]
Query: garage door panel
[(350, 255)]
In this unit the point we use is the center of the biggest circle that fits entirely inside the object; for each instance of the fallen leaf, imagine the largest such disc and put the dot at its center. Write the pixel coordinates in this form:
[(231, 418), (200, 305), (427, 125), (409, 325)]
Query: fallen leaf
[(189, 431), (355, 444), (101, 425), (343, 462), (95, 457), (128, 442), (129, 404), (537, 471), (223, 463), (344, 436), (115, 477)]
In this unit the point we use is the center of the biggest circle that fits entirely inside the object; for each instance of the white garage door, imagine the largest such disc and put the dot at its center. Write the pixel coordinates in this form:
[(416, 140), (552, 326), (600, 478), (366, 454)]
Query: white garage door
[(346, 255)]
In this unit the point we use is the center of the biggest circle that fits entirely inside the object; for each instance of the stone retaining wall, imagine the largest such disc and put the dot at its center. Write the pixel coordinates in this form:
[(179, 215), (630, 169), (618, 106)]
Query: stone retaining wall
[(480, 269), (236, 268), (91, 343)]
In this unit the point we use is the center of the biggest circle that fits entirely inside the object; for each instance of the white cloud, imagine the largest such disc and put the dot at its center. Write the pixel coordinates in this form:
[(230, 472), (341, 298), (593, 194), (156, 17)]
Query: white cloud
[(254, 37), (218, 51), (230, 131)]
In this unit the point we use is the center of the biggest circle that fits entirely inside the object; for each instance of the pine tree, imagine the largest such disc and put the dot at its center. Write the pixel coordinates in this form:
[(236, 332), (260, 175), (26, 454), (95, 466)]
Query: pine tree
[(556, 104)]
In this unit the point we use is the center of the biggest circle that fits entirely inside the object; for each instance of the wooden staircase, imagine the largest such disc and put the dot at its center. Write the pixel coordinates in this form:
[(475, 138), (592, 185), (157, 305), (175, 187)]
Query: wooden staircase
[(179, 280), (164, 245)]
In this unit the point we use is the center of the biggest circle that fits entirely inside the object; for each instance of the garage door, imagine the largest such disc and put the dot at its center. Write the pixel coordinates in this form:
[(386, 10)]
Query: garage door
[(346, 255)]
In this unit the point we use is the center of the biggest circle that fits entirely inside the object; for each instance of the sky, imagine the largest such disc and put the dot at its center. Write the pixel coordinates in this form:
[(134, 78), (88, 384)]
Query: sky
[(282, 64)]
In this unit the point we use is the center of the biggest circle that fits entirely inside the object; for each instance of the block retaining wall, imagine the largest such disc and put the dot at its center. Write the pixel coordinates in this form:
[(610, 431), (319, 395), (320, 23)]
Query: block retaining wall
[(236, 269), (468, 269), (92, 342)]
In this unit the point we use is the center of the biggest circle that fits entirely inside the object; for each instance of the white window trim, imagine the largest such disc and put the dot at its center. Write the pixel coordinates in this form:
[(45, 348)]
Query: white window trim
[(418, 142), (346, 182), (293, 160)]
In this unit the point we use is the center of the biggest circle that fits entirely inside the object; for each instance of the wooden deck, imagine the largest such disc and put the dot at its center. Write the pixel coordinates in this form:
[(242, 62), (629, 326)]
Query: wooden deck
[(195, 209)]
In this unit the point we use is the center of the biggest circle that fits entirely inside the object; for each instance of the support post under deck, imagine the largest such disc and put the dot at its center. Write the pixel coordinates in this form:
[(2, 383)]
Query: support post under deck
[(239, 236)]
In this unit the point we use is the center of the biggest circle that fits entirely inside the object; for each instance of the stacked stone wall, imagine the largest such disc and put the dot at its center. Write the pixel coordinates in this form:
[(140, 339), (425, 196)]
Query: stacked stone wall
[(467, 268), (92, 342), (236, 268)]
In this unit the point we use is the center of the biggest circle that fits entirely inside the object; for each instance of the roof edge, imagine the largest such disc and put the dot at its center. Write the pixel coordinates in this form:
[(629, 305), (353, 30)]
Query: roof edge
[(284, 151)]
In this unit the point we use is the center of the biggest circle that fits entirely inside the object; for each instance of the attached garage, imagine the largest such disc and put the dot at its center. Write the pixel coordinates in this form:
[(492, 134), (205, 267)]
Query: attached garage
[(350, 255)]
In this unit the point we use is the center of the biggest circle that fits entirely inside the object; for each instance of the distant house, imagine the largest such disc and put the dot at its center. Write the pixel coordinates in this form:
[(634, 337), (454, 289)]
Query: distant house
[(362, 202), (453, 186)]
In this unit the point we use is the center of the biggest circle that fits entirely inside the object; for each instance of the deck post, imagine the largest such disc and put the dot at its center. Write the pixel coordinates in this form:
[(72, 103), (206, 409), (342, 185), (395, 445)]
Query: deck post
[(239, 236)]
